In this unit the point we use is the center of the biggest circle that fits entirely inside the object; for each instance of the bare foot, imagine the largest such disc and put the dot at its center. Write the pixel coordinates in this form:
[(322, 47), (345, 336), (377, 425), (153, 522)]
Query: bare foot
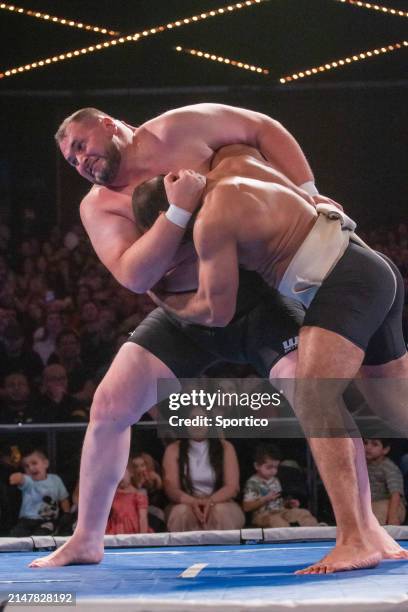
[(389, 548), (73, 552), (345, 557)]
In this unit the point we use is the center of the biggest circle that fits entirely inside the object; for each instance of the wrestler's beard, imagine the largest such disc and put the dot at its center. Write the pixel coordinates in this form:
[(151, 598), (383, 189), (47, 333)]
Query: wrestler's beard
[(108, 171)]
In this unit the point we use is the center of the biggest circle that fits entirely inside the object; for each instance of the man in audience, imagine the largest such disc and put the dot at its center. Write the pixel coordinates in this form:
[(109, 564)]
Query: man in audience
[(17, 404), (68, 354), (18, 357), (55, 404)]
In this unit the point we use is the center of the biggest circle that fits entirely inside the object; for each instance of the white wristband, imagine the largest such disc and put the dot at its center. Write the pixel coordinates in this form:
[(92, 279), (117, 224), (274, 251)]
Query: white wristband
[(310, 188), (178, 216)]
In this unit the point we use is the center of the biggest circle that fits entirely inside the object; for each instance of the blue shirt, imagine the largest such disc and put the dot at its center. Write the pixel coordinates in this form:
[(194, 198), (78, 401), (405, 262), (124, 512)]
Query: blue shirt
[(41, 497)]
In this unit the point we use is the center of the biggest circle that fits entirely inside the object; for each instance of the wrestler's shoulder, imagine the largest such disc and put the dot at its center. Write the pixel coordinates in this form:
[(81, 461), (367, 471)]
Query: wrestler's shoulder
[(101, 198), (171, 119), (223, 193)]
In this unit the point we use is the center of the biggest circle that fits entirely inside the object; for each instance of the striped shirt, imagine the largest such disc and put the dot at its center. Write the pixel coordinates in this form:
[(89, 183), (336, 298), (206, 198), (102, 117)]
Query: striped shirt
[(385, 479)]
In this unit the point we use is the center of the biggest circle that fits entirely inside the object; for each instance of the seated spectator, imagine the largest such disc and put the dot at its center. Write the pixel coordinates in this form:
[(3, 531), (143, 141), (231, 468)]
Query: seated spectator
[(263, 495), (16, 405), (145, 476), (68, 521), (68, 354), (45, 337), (97, 336), (18, 357), (34, 317), (404, 470), (201, 478), (55, 404), (7, 281), (24, 276), (43, 495), (129, 508), (10, 497), (386, 483)]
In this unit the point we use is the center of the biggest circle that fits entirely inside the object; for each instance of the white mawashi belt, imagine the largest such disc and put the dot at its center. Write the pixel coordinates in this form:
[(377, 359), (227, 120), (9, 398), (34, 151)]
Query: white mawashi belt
[(318, 254)]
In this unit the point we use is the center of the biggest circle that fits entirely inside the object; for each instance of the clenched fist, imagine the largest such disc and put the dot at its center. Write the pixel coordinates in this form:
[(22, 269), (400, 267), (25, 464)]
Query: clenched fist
[(184, 189), (17, 478)]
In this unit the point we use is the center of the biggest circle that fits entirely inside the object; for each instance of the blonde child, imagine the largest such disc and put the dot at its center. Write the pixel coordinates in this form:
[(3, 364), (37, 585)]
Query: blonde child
[(129, 508), (146, 476)]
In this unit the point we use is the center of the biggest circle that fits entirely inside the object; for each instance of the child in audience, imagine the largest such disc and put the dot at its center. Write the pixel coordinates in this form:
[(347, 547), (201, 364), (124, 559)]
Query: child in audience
[(263, 494), (144, 472), (42, 496), (145, 476), (129, 508), (386, 483)]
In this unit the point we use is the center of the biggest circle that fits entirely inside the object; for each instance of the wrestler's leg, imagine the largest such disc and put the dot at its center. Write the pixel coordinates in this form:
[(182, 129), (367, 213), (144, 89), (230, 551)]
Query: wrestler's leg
[(387, 399), (282, 375), (387, 358), (335, 457), (126, 392)]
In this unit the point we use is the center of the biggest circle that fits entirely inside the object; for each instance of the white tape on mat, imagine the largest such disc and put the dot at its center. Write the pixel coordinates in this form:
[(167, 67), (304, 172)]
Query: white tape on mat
[(193, 570)]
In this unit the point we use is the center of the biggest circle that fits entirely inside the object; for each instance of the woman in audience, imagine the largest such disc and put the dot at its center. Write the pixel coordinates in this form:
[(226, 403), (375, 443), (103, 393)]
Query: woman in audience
[(201, 479)]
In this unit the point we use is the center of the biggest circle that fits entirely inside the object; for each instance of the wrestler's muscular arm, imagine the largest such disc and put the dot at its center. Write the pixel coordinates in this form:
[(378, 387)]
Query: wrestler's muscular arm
[(137, 261), (214, 302), (219, 125)]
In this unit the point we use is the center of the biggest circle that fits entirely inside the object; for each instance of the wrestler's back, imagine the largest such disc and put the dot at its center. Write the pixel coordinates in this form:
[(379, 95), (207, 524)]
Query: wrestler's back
[(272, 219)]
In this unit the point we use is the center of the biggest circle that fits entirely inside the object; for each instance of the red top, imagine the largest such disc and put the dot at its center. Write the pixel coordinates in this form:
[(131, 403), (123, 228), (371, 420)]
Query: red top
[(124, 514)]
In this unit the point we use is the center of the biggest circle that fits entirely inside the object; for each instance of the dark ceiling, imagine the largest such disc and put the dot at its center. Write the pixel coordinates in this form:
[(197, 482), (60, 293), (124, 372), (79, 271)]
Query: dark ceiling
[(283, 35)]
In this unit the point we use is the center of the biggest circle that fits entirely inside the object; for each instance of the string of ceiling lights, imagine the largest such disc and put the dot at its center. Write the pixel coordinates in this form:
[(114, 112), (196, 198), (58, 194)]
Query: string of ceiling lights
[(313, 70), (121, 39), (222, 60), (358, 57), (129, 38), (375, 7), (59, 20)]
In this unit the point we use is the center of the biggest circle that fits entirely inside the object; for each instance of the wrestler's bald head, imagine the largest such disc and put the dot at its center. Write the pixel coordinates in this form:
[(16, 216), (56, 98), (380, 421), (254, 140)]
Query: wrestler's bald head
[(83, 115)]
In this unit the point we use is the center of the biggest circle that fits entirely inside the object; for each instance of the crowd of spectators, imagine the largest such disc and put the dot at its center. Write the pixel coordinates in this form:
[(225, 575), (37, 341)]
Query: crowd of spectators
[(62, 319)]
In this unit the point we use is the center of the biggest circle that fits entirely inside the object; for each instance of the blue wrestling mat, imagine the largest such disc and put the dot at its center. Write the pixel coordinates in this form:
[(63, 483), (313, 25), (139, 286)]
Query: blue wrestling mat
[(184, 578)]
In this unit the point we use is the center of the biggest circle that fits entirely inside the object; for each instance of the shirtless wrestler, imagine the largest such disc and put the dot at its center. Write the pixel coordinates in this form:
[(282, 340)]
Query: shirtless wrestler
[(116, 157), (353, 321)]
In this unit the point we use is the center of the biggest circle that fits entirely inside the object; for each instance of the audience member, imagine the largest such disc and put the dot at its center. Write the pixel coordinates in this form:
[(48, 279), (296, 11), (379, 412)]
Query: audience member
[(263, 495), (201, 479), (17, 404), (45, 337), (68, 354), (55, 404), (10, 497), (386, 483), (43, 495), (18, 357), (145, 475), (129, 508)]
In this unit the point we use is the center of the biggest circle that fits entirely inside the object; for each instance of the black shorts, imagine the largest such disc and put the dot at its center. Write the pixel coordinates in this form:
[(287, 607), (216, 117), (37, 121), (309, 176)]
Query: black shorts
[(264, 329), (362, 299)]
